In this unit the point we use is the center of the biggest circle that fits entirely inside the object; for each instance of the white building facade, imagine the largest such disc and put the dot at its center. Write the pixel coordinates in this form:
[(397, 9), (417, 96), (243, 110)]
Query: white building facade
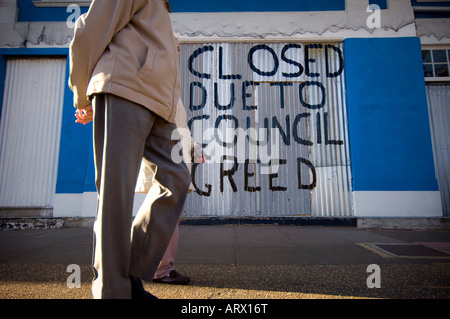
[(334, 109)]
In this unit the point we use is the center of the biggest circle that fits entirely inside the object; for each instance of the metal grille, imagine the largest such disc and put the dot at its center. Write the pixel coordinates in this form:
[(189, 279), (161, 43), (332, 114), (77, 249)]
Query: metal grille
[(272, 121)]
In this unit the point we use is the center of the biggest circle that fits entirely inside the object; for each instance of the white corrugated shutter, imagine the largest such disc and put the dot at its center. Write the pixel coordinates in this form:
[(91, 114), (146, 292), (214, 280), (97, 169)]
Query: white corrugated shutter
[(30, 131), (439, 107)]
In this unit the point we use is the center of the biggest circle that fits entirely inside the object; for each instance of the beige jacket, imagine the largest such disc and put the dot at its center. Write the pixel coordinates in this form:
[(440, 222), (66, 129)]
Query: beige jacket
[(126, 48)]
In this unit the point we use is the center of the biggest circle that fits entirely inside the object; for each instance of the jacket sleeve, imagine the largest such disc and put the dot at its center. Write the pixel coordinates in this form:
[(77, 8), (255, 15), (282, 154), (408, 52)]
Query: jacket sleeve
[(93, 32)]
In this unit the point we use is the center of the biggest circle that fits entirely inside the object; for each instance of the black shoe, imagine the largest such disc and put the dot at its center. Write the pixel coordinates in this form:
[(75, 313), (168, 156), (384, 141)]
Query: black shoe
[(173, 278), (137, 290)]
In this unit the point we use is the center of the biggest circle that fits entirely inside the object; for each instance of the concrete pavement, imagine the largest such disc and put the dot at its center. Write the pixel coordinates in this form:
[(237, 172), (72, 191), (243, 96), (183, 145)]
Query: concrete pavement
[(245, 261)]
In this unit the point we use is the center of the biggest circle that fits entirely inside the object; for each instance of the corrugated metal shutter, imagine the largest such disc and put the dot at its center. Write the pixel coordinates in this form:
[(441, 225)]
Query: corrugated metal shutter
[(30, 131), (439, 108), (288, 94)]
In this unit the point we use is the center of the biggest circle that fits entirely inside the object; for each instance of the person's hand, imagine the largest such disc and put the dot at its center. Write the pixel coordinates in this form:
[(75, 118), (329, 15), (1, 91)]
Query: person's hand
[(197, 155), (200, 159), (84, 116)]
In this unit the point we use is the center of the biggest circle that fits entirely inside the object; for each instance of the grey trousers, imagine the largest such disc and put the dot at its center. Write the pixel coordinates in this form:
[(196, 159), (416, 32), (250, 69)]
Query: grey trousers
[(124, 132)]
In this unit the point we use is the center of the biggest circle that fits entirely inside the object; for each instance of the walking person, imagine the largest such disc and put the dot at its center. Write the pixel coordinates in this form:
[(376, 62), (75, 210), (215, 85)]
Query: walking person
[(124, 73)]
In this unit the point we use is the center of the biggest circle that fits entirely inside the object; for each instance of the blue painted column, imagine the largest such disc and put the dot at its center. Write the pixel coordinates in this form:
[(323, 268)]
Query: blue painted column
[(389, 128)]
